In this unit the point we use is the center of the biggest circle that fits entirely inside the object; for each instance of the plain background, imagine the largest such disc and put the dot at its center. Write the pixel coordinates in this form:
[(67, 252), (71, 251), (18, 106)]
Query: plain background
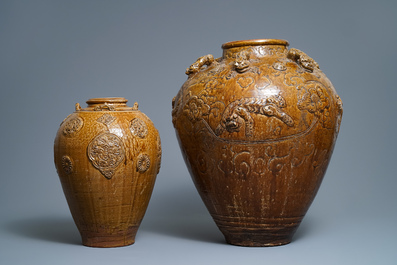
[(54, 54)]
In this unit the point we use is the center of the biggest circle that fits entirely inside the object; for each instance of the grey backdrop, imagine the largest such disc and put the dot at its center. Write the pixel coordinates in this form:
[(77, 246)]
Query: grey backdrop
[(56, 53)]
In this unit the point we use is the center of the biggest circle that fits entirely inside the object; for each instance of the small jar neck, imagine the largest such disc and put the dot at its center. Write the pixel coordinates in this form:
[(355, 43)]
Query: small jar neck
[(252, 49)]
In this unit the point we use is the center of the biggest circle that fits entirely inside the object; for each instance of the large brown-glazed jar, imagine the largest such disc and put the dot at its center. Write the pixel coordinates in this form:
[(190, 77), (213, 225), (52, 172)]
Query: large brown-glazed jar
[(107, 156), (257, 128)]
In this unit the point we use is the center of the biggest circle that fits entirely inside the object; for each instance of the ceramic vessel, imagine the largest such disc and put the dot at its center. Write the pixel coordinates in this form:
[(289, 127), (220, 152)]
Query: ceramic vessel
[(107, 156), (257, 128)]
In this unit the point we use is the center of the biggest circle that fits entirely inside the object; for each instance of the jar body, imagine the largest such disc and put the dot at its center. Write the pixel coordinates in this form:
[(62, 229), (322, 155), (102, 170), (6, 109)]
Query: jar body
[(257, 128), (107, 157)]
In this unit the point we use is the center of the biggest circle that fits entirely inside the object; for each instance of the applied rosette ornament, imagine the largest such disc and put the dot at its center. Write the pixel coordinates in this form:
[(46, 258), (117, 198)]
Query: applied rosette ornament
[(257, 128), (103, 156)]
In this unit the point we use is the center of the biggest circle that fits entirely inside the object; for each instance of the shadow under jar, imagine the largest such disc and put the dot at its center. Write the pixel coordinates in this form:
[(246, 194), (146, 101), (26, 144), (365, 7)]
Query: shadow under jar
[(257, 128)]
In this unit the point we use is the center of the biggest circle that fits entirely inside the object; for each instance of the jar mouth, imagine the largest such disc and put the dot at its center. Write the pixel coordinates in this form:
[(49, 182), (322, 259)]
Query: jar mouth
[(111, 100), (254, 42)]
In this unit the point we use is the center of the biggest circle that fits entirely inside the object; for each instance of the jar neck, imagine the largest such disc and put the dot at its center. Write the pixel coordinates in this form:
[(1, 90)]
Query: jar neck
[(108, 104), (252, 49)]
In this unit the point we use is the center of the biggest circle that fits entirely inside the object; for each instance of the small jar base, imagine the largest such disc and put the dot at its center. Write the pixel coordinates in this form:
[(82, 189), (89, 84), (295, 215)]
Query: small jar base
[(102, 240)]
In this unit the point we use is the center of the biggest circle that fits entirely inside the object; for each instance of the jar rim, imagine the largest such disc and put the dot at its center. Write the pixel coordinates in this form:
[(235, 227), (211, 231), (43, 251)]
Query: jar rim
[(107, 100), (254, 42)]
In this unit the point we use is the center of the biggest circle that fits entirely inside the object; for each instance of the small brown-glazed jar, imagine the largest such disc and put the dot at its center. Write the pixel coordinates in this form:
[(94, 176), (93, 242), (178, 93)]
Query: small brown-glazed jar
[(107, 156), (257, 128)]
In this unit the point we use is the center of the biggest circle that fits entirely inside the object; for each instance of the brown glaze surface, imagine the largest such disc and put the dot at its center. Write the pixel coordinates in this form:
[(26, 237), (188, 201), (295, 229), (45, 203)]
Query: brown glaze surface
[(107, 157), (257, 128)]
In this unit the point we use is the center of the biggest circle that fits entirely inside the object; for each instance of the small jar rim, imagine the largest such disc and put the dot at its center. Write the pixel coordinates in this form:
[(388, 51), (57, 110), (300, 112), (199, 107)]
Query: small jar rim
[(254, 42), (113, 100)]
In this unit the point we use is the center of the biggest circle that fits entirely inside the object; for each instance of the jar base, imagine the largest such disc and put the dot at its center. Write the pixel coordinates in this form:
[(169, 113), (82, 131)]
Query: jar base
[(256, 240), (258, 237), (105, 240)]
